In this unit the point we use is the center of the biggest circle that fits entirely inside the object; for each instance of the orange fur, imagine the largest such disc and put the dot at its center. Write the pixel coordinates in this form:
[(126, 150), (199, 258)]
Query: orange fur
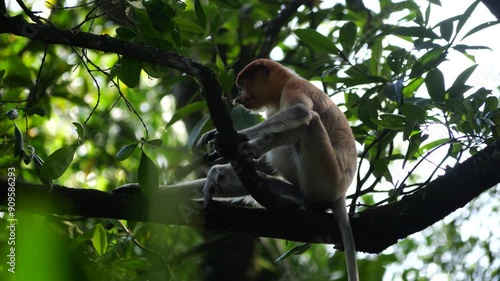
[(312, 145), (267, 84)]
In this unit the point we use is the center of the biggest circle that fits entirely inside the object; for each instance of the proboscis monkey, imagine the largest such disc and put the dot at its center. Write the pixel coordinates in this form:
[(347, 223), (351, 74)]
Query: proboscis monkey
[(305, 137)]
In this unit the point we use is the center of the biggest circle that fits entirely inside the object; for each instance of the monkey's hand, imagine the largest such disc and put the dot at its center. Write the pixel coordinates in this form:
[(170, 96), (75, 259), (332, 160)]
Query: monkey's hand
[(222, 182), (205, 139), (208, 138), (213, 137)]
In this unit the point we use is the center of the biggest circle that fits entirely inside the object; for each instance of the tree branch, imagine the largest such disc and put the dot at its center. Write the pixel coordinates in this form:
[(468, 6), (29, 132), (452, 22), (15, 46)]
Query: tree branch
[(273, 27), (493, 6), (374, 229), (211, 90)]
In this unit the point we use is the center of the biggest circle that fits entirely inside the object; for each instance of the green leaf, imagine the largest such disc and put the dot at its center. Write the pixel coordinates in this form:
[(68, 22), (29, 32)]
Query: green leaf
[(160, 15), (347, 36), (156, 70), (80, 130), (495, 118), (434, 81), (132, 264), (455, 106), (491, 104), (228, 4), (295, 250), (130, 71), (367, 111), (36, 110), (185, 111), (57, 163), (463, 48), (381, 169), (38, 163), (358, 70), (196, 131), (393, 91), (446, 29), (464, 76), (412, 87), (413, 146), (176, 36), (354, 81), (466, 15), (430, 60), (137, 5), (396, 59), (189, 25), (226, 79), (2, 73), (432, 145), (317, 40), (481, 27), (18, 142), (478, 99), (126, 33), (144, 26), (390, 121), (125, 152), (148, 176), (200, 13), (413, 112), (459, 88), (458, 91), (412, 31), (393, 118), (100, 240), (155, 142), (243, 119)]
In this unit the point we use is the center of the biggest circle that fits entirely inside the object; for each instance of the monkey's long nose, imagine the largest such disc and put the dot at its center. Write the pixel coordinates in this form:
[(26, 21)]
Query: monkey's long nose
[(241, 99)]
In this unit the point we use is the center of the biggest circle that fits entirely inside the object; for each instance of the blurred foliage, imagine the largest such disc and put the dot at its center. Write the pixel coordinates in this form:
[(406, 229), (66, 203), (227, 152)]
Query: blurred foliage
[(80, 117)]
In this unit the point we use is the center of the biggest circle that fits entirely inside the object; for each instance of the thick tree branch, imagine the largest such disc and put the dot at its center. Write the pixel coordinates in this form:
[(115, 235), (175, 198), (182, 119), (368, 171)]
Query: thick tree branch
[(374, 229), (211, 89)]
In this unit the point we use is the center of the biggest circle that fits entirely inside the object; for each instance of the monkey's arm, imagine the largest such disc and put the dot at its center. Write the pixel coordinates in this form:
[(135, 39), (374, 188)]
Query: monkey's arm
[(282, 128), (221, 182), (295, 116)]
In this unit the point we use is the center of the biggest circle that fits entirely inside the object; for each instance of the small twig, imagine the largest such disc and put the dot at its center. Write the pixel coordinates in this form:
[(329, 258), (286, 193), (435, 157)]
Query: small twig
[(273, 27), (144, 248), (29, 13), (41, 67), (54, 7), (81, 57), (127, 102)]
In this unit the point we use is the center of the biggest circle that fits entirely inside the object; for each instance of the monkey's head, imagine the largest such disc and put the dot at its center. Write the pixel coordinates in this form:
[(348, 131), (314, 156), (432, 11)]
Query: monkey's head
[(261, 83)]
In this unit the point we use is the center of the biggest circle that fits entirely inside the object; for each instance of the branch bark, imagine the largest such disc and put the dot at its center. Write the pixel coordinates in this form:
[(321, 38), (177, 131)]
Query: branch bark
[(374, 229), (211, 89)]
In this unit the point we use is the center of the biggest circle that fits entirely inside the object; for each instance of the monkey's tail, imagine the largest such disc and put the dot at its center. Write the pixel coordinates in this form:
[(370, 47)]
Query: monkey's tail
[(340, 212)]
